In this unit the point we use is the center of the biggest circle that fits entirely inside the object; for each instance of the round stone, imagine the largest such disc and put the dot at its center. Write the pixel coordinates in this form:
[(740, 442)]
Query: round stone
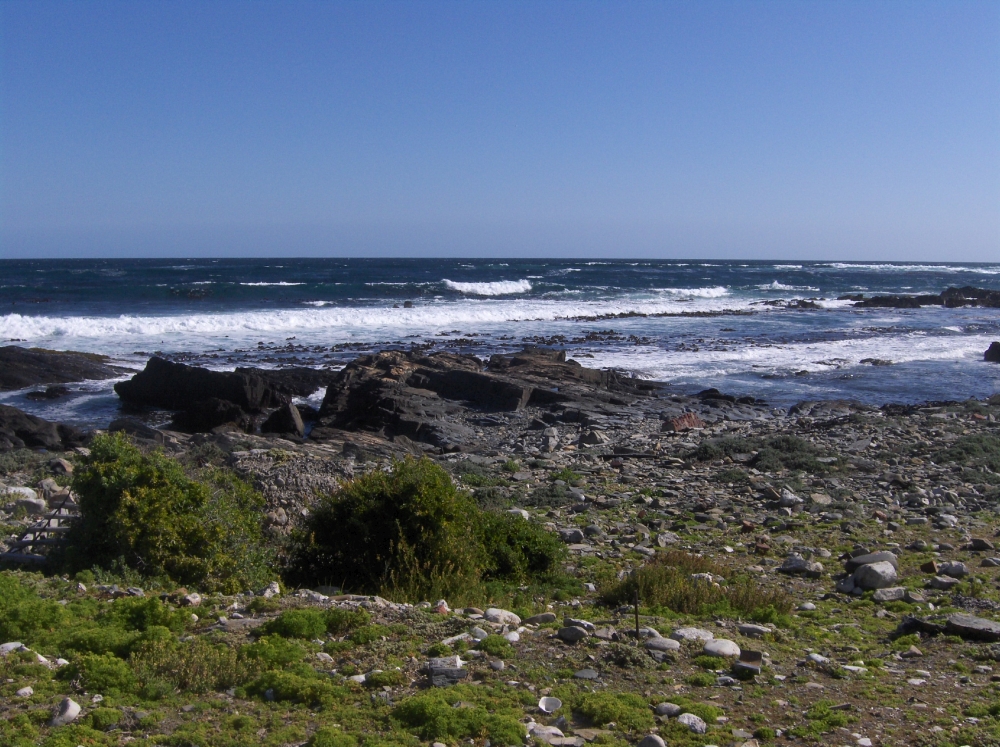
[(667, 709)]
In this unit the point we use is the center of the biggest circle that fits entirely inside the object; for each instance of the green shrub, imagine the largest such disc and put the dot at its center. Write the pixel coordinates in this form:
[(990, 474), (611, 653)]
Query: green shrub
[(143, 613), (103, 673), (764, 732), (272, 652), (143, 512), (369, 634), (702, 679), (195, 666), (327, 737), (711, 663), (433, 716), (496, 645), (340, 621), (665, 582), (301, 623), (409, 533), (629, 712), (388, 678), (23, 614), (515, 549), (102, 718), (297, 687)]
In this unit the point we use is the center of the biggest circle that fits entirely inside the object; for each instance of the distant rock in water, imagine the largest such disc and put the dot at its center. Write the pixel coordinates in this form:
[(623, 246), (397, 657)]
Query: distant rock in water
[(24, 367), (20, 430), (175, 386), (951, 298), (992, 354)]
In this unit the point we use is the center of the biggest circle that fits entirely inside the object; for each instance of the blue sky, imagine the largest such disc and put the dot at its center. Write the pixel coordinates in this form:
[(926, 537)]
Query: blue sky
[(809, 130)]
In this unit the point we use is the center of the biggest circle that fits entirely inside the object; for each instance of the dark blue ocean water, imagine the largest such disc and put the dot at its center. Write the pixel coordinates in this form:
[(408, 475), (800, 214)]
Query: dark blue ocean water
[(693, 324)]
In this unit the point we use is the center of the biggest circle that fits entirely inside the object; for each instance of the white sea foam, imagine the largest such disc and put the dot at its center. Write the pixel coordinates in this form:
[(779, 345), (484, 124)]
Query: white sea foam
[(281, 283), (717, 291), (892, 267), (784, 267), (776, 286), (672, 365), (496, 288)]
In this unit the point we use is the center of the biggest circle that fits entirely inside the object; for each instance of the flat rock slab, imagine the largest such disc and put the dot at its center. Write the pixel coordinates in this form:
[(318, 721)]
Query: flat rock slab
[(662, 644), (876, 557), (692, 634), (972, 627)]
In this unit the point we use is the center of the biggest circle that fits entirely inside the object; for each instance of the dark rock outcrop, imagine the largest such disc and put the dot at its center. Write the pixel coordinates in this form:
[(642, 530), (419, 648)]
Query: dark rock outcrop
[(286, 419), (413, 395), (175, 386), (951, 298), (19, 430), (24, 367), (212, 413), (298, 381), (992, 354)]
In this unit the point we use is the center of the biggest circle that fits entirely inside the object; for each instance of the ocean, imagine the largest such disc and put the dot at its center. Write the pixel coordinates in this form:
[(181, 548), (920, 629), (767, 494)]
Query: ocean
[(690, 324)]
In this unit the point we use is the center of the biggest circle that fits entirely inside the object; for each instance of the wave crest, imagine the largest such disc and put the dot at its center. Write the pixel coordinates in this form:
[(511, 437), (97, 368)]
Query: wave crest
[(496, 288)]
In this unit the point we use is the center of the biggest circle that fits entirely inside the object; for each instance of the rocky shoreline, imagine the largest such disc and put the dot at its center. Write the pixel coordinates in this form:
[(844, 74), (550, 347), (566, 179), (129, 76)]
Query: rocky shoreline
[(880, 524)]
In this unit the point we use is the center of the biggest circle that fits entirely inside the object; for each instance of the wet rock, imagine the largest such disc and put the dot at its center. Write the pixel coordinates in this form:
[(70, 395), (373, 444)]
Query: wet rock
[(286, 419), (992, 354), (24, 367), (20, 430), (208, 414), (175, 386)]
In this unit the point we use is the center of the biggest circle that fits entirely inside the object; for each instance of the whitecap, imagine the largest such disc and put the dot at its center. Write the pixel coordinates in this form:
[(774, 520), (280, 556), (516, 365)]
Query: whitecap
[(495, 288)]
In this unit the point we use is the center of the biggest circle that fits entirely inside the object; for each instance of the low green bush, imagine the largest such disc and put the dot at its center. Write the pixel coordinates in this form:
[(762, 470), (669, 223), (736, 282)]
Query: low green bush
[(302, 623), (409, 533), (272, 652), (103, 673), (388, 678), (340, 621), (142, 512), (327, 737), (369, 634), (496, 645), (433, 716), (303, 686), (666, 582), (629, 712)]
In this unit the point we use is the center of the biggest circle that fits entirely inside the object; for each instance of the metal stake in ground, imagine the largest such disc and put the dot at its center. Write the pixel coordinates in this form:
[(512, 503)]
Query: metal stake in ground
[(635, 575)]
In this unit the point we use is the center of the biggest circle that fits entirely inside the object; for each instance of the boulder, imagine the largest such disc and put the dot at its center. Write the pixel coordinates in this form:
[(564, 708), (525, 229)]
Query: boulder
[(572, 634), (175, 386), (286, 419), (692, 634), (20, 430), (24, 367), (953, 568), (446, 670), (541, 619), (692, 722), (992, 354), (853, 564), (293, 382), (652, 740), (890, 594), (504, 617), (67, 713), (796, 565), (875, 575), (972, 627), (667, 709), (721, 647)]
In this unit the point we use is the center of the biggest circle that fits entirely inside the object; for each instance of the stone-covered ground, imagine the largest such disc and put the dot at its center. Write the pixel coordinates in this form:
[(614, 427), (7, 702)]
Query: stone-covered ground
[(783, 499)]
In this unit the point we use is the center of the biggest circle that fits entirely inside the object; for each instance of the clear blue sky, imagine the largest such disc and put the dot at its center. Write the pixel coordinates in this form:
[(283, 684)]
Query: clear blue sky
[(811, 130)]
